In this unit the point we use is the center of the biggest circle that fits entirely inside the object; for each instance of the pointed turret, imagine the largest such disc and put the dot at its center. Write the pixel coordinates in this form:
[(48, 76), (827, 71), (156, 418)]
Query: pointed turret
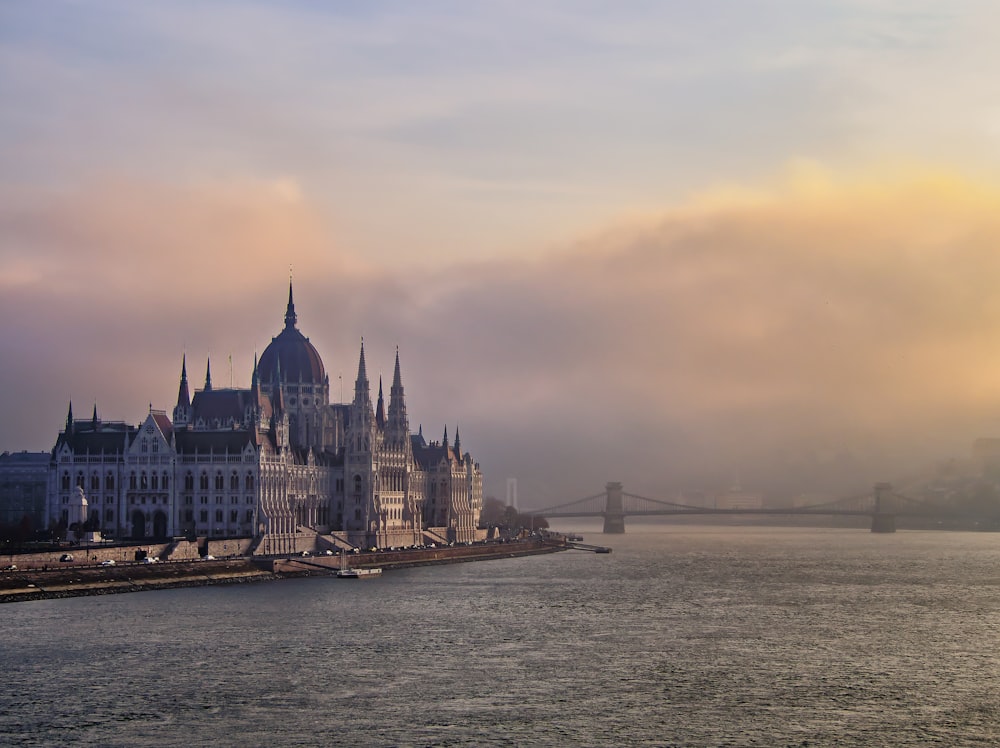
[(182, 411), (183, 394), (253, 408), (458, 444), (362, 429), (290, 317), (399, 426), (278, 395), (279, 416), (254, 381), (445, 441), (208, 375), (380, 408), (397, 380), (69, 419), (362, 370), (361, 387)]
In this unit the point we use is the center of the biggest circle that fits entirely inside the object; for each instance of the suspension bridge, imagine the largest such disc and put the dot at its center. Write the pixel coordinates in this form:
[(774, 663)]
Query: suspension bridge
[(882, 504)]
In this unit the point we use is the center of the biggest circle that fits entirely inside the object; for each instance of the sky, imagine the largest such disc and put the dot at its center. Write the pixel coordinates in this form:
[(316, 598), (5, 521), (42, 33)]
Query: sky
[(670, 244)]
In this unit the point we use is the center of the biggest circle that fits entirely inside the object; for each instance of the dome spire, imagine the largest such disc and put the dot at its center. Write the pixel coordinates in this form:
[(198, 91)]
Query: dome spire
[(290, 317)]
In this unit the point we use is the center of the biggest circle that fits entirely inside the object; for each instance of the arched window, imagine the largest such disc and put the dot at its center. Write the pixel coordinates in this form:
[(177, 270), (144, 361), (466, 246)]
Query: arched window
[(165, 482), (132, 481), (249, 481), (109, 482), (188, 481), (219, 482), (144, 445), (143, 481), (204, 480), (234, 481), (154, 481), (79, 480), (95, 482), (65, 482), (357, 484)]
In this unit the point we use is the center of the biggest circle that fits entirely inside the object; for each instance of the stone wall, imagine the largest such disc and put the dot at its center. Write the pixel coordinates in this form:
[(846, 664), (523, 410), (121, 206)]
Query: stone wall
[(82, 555)]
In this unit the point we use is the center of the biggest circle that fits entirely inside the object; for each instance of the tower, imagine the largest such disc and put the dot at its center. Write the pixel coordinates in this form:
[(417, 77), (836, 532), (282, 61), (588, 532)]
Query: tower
[(359, 458)]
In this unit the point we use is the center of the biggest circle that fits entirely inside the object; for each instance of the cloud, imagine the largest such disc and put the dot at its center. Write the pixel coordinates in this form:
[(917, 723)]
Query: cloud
[(735, 333), (813, 335), (105, 286)]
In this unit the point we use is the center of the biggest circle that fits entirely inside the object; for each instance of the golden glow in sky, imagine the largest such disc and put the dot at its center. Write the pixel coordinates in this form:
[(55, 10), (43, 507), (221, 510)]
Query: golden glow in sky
[(658, 244)]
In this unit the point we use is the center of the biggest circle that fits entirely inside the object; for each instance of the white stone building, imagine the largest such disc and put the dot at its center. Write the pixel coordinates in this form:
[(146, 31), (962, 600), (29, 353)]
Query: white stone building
[(277, 462)]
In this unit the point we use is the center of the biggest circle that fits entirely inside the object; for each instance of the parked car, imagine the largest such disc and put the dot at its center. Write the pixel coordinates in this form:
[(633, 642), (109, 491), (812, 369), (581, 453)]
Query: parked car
[(66, 557), (108, 562)]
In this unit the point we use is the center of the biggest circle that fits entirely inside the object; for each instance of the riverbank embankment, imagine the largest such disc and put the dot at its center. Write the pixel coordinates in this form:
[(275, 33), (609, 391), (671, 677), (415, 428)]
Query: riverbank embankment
[(76, 580)]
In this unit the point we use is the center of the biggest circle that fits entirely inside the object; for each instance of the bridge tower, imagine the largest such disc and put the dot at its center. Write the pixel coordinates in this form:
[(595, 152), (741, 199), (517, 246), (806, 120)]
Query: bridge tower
[(614, 510), (882, 521)]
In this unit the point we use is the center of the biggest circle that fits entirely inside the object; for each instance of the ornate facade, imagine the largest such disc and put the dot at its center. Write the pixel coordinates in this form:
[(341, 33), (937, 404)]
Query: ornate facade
[(277, 462)]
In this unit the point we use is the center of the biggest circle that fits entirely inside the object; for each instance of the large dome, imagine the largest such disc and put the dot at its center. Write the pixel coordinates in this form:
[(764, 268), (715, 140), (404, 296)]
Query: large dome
[(297, 357)]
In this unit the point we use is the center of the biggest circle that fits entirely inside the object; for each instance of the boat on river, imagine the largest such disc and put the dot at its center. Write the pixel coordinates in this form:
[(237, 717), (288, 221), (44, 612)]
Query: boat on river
[(346, 572)]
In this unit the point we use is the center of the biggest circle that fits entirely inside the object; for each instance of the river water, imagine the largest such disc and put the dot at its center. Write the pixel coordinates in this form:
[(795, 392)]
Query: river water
[(683, 636)]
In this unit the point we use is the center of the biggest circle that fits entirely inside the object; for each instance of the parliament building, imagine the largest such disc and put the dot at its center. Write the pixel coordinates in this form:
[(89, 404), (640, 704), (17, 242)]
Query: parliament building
[(277, 462)]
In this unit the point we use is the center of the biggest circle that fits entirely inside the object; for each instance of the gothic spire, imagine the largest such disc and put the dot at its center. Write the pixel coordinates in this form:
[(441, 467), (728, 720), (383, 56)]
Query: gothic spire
[(278, 397), (458, 444), (445, 442), (397, 380), (255, 385), (208, 375), (69, 419), (380, 408), (290, 317), (361, 383), (183, 394), (396, 392), (399, 426)]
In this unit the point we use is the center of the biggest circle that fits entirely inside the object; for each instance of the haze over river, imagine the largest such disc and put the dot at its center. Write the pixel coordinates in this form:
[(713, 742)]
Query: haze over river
[(683, 636)]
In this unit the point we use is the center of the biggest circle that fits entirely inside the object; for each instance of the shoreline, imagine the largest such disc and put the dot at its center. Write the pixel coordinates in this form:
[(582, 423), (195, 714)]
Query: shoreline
[(84, 581)]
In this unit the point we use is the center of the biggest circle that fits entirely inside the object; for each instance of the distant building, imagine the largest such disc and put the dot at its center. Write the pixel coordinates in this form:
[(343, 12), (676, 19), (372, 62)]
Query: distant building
[(986, 457), (737, 498), (277, 462), (23, 481)]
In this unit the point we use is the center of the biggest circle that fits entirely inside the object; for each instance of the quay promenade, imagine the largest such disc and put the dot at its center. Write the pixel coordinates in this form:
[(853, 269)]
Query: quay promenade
[(54, 579)]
